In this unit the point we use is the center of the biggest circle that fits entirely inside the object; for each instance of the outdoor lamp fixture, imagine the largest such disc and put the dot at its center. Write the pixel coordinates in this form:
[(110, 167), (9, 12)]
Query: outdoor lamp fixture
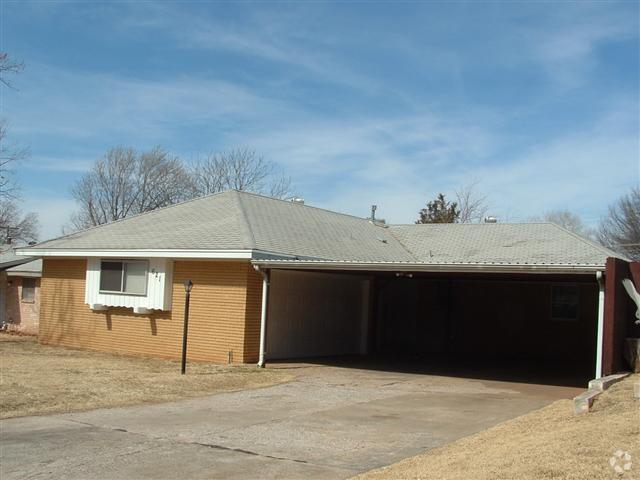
[(403, 274), (188, 285)]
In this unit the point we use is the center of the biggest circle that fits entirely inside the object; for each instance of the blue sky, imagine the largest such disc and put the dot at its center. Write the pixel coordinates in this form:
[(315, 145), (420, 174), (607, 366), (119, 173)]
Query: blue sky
[(360, 102)]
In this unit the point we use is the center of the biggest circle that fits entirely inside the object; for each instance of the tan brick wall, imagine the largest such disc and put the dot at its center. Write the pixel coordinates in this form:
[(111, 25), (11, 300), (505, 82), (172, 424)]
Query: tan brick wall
[(20, 315), (222, 315)]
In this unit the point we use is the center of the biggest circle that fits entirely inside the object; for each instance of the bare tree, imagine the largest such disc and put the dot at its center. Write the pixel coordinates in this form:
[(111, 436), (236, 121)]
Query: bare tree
[(16, 227), (125, 183), (565, 219), (471, 203), (620, 229), (8, 67), (10, 154), (280, 187), (241, 169)]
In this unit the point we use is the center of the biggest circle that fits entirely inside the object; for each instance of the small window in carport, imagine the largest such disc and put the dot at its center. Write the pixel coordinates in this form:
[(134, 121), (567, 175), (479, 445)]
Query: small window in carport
[(565, 302)]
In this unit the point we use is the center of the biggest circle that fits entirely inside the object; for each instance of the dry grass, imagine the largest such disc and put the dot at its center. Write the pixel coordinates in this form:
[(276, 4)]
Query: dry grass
[(550, 443), (36, 379)]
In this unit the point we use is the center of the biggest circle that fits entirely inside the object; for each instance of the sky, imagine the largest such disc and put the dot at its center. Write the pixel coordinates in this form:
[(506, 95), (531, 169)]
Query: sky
[(360, 102)]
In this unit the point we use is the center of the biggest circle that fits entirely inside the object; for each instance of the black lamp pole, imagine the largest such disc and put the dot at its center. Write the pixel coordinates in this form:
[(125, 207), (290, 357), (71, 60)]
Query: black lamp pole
[(188, 285)]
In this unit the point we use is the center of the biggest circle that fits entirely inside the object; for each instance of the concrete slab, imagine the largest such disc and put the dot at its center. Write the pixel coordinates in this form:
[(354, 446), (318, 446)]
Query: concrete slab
[(582, 403), (329, 423), (602, 383)]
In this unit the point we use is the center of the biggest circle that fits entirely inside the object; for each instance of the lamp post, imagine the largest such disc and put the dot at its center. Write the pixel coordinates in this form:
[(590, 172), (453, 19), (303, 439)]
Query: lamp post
[(188, 285)]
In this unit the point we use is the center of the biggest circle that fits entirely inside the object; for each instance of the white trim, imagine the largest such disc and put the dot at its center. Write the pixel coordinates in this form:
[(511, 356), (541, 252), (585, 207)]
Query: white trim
[(238, 254), (158, 293), (600, 334), (17, 273), (263, 316), (428, 267), (142, 253)]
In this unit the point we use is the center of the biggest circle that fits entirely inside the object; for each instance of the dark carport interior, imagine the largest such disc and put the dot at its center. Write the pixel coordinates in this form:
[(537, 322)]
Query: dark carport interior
[(533, 328)]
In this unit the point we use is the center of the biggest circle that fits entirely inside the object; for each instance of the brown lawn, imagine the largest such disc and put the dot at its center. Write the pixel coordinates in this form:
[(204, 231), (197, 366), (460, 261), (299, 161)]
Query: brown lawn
[(37, 379), (550, 443)]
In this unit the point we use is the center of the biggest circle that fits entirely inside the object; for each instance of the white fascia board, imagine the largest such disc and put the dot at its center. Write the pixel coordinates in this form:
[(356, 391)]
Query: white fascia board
[(138, 253), (24, 274), (244, 254), (419, 267)]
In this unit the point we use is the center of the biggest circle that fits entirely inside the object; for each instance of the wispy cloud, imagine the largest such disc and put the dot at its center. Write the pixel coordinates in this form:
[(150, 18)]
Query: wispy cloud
[(566, 45), (109, 106), (58, 164), (283, 38)]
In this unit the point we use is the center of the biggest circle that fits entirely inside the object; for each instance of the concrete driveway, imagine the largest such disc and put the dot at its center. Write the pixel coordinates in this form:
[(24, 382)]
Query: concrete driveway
[(330, 422)]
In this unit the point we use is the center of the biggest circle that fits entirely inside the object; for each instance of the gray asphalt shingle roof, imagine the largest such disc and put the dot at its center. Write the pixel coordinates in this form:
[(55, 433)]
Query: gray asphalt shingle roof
[(8, 258), (213, 222), (523, 243), (32, 268), (234, 220)]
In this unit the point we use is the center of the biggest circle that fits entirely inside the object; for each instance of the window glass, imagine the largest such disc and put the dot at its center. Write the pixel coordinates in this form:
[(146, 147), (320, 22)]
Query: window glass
[(111, 277), (564, 302), (28, 289), (135, 277)]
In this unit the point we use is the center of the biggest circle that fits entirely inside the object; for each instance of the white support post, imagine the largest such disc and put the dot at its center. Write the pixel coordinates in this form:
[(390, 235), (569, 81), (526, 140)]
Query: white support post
[(263, 316), (600, 335)]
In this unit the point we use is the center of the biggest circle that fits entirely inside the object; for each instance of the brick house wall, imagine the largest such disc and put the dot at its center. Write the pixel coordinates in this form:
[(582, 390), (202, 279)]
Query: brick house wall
[(224, 316), (20, 315)]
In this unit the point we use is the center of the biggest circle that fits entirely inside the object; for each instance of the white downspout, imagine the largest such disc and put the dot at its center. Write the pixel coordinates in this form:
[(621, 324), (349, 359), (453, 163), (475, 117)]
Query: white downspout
[(263, 315), (600, 337)]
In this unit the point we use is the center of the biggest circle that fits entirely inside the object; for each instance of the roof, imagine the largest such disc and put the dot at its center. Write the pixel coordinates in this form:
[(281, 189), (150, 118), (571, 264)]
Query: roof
[(496, 243), (8, 258), (237, 221), (28, 269), (234, 220)]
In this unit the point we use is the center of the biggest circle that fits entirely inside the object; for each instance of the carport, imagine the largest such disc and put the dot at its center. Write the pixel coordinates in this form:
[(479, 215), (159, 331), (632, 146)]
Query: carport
[(527, 322)]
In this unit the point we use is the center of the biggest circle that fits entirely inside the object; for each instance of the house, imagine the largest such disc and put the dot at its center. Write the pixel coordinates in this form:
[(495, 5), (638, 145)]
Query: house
[(276, 279), (19, 292)]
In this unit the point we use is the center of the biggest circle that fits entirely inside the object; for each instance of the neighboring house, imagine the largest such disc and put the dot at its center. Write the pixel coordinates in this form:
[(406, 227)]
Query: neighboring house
[(276, 279), (19, 292)]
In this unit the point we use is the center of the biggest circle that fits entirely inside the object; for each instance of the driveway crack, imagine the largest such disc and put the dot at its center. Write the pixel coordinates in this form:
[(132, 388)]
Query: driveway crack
[(172, 440), (247, 452)]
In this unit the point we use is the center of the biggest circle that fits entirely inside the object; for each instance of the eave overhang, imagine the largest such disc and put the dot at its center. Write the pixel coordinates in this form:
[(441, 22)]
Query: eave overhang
[(238, 254), (429, 267)]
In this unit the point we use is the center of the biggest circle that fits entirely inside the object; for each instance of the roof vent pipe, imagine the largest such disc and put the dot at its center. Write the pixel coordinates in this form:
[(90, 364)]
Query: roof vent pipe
[(297, 200), (373, 212), (490, 219)]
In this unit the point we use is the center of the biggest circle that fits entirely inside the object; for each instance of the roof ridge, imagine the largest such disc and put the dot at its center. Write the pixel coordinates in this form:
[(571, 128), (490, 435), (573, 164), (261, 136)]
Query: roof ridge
[(137, 215), (288, 202), (245, 220), (406, 248), (589, 242)]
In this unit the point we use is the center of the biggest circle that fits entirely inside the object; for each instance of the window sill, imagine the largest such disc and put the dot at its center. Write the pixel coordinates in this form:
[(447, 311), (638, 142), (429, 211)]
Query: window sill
[(107, 292)]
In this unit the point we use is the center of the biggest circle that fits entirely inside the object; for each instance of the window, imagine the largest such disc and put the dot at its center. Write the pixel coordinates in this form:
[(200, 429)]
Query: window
[(565, 301), (28, 289), (123, 276)]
